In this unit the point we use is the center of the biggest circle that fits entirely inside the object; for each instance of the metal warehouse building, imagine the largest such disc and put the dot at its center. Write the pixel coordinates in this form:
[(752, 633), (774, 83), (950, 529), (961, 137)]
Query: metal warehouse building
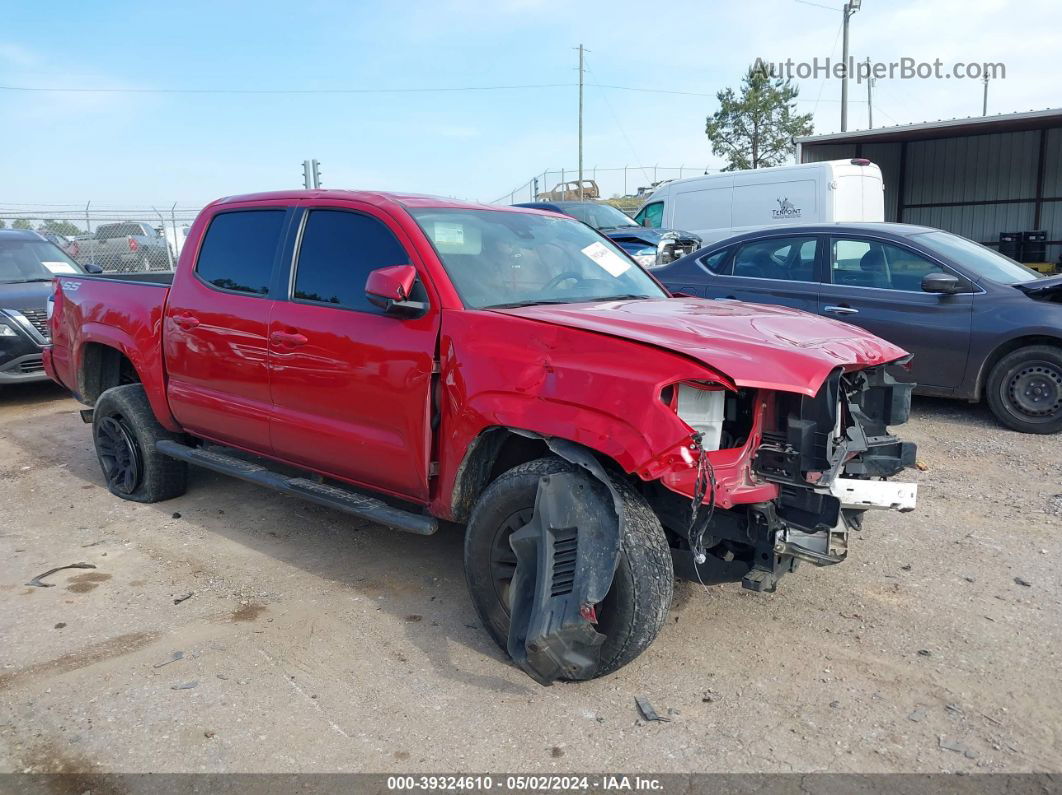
[(979, 177)]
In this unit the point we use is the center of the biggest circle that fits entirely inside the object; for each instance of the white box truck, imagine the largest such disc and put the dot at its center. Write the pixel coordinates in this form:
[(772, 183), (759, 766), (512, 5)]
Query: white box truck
[(719, 205)]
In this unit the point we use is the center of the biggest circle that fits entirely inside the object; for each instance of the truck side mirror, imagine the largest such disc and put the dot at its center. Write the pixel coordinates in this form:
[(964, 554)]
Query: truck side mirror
[(944, 283), (92, 267), (390, 289)]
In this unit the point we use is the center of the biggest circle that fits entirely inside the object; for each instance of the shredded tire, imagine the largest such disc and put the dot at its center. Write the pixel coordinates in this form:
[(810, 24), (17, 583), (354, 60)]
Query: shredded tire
[(638, 602)]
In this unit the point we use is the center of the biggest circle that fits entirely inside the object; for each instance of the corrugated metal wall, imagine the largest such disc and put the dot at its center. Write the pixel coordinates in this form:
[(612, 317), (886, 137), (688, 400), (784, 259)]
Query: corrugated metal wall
[(973, 174)]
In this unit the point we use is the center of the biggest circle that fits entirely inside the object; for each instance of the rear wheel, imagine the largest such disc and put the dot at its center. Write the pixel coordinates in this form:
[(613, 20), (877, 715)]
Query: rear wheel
[(1024, 389), (124, 430), (636, 605)]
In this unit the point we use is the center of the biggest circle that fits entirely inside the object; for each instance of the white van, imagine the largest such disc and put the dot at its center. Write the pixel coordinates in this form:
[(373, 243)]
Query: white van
[(719, 205)]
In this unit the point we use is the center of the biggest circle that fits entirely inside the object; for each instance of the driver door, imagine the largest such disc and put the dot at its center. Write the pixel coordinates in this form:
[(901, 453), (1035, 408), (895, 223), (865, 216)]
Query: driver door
[(351, 385), (877, 284)]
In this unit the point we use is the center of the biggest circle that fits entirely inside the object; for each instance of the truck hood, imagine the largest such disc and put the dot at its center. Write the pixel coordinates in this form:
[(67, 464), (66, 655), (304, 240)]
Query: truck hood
[(756, 346)]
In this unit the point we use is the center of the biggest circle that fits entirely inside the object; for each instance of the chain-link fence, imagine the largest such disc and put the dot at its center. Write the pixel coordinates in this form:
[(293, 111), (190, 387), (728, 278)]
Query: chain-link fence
[(621, 185), (117, 238)]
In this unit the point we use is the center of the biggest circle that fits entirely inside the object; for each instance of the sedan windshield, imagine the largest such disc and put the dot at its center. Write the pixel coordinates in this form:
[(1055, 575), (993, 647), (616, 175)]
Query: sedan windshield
[(979, 260), (599, 216), (501, 259), (26, 260)]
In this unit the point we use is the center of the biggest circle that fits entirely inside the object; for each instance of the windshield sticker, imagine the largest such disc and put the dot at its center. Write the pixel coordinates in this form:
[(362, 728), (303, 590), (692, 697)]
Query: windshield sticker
[(449, 234), (607, 259), (59, 267)]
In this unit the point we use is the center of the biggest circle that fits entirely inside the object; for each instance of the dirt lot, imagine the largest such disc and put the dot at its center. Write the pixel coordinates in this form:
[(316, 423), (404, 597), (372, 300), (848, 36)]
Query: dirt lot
[(312, 644)]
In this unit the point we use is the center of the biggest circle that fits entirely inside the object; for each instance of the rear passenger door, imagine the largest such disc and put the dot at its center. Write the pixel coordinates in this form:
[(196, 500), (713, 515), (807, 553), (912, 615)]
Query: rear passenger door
[(877, 284), (782, 269), (216, 321), (351, 385)]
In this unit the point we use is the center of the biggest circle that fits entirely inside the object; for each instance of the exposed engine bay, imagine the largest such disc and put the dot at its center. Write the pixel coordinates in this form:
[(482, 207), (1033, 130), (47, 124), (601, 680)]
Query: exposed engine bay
[(828, 456)]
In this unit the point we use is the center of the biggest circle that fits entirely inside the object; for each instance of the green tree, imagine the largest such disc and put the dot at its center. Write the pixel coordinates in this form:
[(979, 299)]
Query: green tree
[(3, 224), (59, 228), (21, 223), (756, 128)]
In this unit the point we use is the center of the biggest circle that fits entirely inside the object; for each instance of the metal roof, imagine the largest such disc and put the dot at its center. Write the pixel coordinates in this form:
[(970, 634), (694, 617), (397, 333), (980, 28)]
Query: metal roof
[(974, 125)]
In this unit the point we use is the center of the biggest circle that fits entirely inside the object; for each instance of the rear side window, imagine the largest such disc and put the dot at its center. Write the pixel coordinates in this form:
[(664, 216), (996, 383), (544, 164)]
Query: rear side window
[(239, 249), (783, 258), (338, 251), (718, 262)]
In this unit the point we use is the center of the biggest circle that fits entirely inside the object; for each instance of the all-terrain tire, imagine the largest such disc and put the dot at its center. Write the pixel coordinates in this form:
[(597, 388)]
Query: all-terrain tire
[(1024, 389), (124, 431), (636, 606)]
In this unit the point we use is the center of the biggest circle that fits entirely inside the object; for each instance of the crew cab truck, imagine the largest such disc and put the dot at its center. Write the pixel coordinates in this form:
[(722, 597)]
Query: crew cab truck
[(422, 359)]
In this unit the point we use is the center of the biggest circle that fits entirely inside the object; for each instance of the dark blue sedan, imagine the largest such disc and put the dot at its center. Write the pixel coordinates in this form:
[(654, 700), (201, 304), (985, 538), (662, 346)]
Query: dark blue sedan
[(978, 323)]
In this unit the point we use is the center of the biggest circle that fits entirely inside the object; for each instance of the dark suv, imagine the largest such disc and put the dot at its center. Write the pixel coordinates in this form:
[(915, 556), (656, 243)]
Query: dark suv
[(28, 263), (978, 323)]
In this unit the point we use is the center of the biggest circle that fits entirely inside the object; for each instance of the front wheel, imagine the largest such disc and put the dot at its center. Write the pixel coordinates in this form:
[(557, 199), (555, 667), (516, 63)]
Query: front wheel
[(124, 430), (1024, 389), (635, 607)]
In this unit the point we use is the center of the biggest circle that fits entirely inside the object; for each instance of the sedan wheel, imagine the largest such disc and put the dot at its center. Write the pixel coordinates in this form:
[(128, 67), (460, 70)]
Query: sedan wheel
[(1024, 389)]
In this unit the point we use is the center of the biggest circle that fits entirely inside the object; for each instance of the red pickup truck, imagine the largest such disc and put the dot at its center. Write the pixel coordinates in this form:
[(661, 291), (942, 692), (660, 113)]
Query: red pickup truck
[(419, 359)]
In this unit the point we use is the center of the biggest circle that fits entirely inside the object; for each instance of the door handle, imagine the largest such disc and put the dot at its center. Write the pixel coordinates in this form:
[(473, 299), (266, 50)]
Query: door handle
[(840, 310), (187, 322), (291, 338)]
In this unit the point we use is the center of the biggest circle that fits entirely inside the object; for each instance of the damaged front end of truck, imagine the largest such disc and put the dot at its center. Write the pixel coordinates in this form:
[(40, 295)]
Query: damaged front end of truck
[(766, 479)]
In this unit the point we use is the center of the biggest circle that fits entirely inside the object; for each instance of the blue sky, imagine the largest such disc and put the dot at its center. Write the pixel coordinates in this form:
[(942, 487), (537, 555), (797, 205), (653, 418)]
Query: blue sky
[(144, 148)]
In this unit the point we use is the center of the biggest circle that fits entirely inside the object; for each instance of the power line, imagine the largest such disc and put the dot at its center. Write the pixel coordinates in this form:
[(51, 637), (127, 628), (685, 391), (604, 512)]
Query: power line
[(315, 91), (652, 90), (70, 90), (819, 5), (822, 85), (616, 121)]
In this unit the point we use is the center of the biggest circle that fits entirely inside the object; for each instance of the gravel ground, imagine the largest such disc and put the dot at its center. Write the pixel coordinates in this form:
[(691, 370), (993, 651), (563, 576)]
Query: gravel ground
[(310, 643)]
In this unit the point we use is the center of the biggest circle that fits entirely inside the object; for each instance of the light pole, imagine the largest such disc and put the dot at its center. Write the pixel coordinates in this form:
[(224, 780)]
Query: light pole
[(582, 50), (849, 8), (870, 98)]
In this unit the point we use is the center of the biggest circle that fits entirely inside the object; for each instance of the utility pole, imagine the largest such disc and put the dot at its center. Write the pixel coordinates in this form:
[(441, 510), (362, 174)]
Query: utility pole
[(316, 166), (307, 179), (581, 51), (984, 104), (849, 8), (870, 98)]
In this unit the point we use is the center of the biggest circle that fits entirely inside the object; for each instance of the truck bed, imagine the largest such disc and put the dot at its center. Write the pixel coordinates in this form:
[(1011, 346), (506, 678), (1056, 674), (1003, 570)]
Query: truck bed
[(123, 311)]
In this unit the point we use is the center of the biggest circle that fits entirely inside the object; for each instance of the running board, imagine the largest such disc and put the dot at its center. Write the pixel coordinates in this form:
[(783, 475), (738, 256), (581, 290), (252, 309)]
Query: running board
[(346, 500)]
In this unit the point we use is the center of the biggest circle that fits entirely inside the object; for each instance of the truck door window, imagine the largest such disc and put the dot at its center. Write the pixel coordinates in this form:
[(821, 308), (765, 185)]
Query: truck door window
[(239, 249), (651, 215), (786, 258), (338, 251)]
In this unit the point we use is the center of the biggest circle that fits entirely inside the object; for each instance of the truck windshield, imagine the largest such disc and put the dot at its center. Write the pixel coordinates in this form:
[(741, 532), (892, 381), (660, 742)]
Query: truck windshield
[(979, 259), (498, 258), (24, 260)]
